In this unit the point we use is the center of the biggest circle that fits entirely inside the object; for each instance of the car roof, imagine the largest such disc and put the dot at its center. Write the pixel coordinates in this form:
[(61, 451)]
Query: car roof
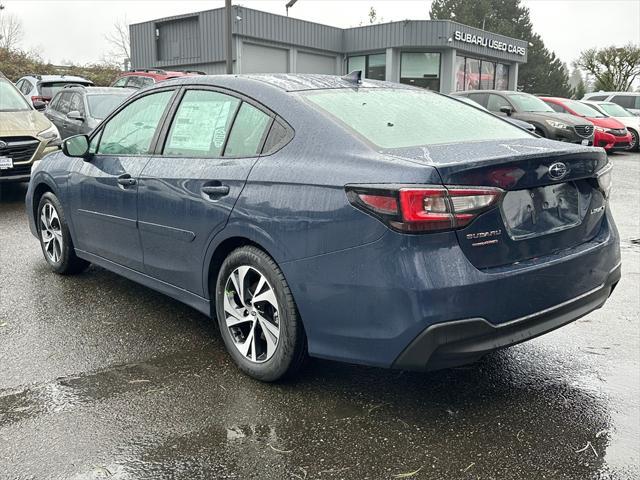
[(591, 94), (57, 78), (99, 90)]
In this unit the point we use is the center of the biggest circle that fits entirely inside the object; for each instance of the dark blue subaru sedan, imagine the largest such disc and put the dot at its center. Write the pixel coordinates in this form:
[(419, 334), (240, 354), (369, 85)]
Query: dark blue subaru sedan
[(360, 221)]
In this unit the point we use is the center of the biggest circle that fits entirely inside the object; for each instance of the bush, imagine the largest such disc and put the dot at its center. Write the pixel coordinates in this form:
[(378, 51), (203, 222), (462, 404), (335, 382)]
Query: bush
[(15, 64)]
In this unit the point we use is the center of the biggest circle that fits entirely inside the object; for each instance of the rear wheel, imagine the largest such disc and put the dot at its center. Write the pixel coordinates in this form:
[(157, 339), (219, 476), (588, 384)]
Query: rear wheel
[(257, 316), (55, 238)]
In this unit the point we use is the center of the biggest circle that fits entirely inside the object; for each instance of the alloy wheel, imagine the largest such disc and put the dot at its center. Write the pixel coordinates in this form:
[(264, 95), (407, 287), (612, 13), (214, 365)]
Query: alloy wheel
[(51, 232), (634, 141), (252, 314)]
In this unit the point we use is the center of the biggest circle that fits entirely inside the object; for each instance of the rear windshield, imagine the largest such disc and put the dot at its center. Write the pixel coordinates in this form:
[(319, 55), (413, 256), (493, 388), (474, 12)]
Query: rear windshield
[(11, 100), (392, 118), (49, 89), (102, 105)]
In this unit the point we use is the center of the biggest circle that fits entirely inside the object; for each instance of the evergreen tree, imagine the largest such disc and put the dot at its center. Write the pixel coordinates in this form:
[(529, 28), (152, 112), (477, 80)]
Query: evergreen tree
[(543, 72)]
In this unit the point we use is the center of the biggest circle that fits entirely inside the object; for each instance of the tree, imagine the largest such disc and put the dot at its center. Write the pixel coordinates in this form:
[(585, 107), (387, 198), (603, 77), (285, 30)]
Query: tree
[(576, 82), (11, 31), (543, 72), (614, 68), (118, 40)]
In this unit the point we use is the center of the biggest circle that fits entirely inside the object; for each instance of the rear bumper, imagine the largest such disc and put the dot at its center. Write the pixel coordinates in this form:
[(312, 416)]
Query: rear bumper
[(451, 344)]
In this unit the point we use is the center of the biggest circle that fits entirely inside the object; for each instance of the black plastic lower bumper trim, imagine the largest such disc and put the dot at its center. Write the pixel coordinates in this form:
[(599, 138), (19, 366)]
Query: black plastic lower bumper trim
[(459, 342)]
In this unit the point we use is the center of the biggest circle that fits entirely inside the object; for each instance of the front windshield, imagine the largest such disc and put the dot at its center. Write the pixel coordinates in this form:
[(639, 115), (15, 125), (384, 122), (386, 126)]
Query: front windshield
[(528, 103), (102, 105), (397, 118), (615, 110), (11, 100), (582, 109)]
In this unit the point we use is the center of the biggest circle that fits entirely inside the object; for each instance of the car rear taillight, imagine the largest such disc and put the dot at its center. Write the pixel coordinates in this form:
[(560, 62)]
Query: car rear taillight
[(605, 179), (36, 98), (424, 209)]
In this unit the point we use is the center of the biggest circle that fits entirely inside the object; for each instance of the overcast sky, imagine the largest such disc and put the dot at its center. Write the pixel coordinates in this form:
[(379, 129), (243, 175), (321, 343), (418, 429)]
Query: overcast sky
[(73, 30)]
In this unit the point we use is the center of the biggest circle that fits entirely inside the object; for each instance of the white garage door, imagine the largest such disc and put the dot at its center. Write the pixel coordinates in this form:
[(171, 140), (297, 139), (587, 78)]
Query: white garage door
[(261, 59), (314, 63)]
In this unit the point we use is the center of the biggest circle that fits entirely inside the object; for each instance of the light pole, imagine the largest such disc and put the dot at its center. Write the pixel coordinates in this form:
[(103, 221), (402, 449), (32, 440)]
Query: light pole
[(228, 36), (290, 4)]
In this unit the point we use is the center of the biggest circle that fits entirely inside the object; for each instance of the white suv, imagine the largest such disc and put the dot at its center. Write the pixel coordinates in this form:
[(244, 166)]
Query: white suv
[(628, 100), (42, 88)]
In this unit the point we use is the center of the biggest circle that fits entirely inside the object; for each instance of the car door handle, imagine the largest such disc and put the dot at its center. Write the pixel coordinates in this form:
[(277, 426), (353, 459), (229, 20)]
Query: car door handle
[(217, 190), (126, 180)]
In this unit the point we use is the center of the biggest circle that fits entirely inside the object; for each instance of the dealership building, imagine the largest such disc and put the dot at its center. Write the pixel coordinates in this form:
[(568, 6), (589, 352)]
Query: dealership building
[(440, 55)]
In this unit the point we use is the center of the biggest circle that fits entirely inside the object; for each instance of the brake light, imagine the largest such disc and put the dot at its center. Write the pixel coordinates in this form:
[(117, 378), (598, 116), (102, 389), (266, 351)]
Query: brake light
[(605, 179), (424, 209), (40, 99)]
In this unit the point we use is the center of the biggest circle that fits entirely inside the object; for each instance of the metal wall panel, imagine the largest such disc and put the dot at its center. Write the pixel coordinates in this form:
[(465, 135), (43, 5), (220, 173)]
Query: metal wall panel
[(308, 62), (179, 39)]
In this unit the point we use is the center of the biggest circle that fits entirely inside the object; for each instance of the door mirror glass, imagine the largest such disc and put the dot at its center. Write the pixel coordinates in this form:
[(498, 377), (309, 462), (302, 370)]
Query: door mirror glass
[(39, 105), (507, 110), (76, 146), (75, 115)]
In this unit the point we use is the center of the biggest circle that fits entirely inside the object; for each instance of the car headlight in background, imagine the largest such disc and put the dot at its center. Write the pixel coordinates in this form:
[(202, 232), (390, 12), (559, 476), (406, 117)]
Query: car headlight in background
[(556, 124), (605, 179), (51, 134)]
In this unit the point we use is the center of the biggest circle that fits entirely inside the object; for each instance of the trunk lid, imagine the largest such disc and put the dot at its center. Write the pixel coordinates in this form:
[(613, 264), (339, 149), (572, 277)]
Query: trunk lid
[(552, 201)]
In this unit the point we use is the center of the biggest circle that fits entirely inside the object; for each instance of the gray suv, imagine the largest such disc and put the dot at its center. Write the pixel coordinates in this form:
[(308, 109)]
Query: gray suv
[(529, 108), (75, 110)]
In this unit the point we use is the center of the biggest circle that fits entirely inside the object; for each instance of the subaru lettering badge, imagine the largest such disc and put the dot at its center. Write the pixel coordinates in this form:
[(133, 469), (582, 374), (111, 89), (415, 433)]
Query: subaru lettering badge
[(558, 171), (3, 144)]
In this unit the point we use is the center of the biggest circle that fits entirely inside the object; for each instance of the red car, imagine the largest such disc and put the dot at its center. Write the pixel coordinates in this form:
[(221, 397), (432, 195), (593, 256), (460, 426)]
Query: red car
[(609, 133), (143, 77)]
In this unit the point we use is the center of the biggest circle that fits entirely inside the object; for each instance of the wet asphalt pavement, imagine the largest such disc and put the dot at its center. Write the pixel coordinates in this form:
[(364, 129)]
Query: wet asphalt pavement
[(103, 378)]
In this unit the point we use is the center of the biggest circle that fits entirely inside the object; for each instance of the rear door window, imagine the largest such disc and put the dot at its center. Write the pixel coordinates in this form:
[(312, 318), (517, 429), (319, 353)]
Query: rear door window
[(201, 124), (597, 97), (496, 102), (247, 133), (131, 130), (626, 101)]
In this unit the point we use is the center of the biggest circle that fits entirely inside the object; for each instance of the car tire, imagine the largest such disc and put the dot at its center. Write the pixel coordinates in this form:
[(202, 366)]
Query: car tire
[(635, 141), (257, 316), (55, 239)]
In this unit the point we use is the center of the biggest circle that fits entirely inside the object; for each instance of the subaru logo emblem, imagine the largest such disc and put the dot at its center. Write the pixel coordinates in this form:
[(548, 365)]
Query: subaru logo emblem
[(3, 144), (558, 171)]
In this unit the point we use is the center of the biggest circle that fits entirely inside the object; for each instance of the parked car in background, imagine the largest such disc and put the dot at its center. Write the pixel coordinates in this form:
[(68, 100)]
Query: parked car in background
[(383, 225), (623, 115), (143, 77), (42, 88), (76, 110), (628, 100), (610, 134), (25, 134), (530, 109), (513, 121)]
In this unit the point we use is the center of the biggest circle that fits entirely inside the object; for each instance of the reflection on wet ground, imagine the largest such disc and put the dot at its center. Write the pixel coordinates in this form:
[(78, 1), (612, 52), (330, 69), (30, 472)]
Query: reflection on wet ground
[(102, 378)]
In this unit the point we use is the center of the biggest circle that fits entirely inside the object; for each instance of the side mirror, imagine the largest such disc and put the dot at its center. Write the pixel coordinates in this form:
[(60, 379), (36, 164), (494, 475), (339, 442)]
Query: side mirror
[(507, 110), (39, 105), (75, 115), (76, 146)]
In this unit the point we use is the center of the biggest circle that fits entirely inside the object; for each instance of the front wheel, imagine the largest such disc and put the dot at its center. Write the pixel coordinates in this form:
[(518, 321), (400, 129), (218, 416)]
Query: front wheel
[(55, 238), (634, 145), (257, 316)]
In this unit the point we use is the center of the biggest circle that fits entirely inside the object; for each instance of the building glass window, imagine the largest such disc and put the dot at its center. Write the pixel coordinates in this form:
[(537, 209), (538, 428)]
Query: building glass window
[(476, 74), (357, 63), (460, 61), (502, 76), (421, 69), (372, 66), (487, 75)]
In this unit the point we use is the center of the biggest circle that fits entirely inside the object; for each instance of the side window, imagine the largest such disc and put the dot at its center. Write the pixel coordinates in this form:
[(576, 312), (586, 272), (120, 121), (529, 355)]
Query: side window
[(201, 124), (479, 98), (556, 107), (495, 102), (597, 97), (146, 81), (626, 101), (247, 132), (53, 104), (64, 102), (120, 82), (25, 88), (130, 132), (279, 135), (136, 81), (76, 103)]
